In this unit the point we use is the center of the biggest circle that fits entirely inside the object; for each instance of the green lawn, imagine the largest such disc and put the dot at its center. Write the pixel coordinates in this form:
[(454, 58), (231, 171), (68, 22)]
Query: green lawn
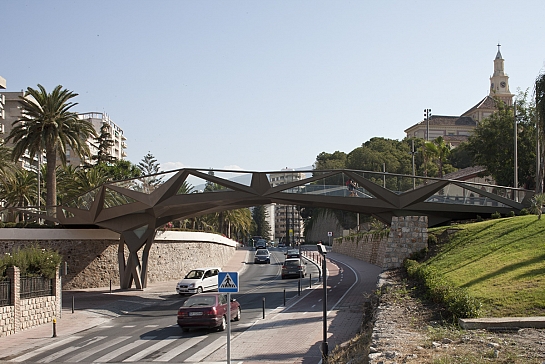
[(501, 262)]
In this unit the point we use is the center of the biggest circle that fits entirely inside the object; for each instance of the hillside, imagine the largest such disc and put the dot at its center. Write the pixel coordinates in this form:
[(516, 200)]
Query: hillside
[(501, 263)]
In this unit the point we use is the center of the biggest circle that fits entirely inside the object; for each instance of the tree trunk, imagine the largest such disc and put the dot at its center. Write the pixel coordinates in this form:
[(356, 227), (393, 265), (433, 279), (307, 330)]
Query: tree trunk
[(51, 194)]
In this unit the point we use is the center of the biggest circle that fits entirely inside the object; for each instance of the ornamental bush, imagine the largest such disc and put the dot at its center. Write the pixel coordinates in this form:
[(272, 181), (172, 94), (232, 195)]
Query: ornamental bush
[(33, 261)]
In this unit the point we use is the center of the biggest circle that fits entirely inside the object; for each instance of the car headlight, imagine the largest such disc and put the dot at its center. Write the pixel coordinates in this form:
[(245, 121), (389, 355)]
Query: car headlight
[(191, 285)]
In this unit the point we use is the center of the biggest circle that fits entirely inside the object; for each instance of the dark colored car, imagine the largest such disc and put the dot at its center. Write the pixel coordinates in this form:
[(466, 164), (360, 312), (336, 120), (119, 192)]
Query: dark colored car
[(262, 256), (293, 253), (207, 310), (261, 244), (293, 267)]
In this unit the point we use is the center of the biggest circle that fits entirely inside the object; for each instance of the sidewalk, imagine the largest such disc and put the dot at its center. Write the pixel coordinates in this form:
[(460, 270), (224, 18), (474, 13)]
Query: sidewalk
[(96, 306)]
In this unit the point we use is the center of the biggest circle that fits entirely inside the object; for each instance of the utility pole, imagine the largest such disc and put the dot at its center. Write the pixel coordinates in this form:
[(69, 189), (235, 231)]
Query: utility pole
[(516, 176)]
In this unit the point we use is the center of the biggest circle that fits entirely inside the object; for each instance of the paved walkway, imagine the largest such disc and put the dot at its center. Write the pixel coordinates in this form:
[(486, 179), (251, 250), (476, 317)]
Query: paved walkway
[(282, 342)]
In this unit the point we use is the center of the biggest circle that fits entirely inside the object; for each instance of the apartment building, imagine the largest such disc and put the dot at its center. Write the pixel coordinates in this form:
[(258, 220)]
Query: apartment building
[(98, 119), (13, 112), (288, 224)]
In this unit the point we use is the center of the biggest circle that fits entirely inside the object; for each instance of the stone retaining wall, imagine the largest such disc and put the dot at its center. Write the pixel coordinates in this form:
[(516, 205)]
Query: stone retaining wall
[(91, 255), (27, 313), (407, 235)]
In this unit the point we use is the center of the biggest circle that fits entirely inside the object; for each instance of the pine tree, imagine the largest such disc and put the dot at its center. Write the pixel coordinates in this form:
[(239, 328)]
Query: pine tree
[(262, 226), (150, 167), (104, 143)]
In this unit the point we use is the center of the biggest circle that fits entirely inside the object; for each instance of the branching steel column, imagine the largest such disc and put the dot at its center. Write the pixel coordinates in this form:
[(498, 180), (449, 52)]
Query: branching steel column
[(131, 269)]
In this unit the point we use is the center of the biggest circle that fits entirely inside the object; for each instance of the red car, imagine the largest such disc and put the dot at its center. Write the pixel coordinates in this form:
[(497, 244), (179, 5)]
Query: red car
[(207, 310)]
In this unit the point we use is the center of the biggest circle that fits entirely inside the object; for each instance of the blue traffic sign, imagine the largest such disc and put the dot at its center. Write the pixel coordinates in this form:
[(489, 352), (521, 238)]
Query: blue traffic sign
[(228, 282)]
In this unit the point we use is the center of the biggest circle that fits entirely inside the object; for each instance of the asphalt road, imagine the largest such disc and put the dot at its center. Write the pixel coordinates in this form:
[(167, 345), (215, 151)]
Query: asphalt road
[(151, 334)]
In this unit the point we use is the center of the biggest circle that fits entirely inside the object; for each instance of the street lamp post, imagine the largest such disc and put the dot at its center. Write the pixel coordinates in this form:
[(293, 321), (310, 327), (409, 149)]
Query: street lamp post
[(427, 116), (325, 350), (414, 170)]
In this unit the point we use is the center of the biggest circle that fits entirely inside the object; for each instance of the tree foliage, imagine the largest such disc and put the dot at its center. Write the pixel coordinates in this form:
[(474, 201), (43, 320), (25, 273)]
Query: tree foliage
[(492, 144), (261, 225), (104, 144), (47, 124)]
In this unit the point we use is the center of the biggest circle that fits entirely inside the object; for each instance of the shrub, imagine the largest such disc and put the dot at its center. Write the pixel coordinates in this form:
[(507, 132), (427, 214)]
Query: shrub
[(524, 212), (495, 215), (456, 300), (511, 214), (479, 218), (419, 255), (10, 224), (432, 239), (32, 261)]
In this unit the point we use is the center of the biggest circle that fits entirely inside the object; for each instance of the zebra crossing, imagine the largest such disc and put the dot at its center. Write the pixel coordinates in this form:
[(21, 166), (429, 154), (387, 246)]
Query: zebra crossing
[(126, 349)]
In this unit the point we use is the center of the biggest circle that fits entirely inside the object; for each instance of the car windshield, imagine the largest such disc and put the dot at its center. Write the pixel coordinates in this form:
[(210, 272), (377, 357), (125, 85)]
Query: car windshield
[(194, 274), (200, 301), (291, 263), (262, 252)]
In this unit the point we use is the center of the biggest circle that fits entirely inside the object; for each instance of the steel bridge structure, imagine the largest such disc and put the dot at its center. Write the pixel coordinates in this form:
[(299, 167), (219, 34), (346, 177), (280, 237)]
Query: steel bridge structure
[(136, 208)]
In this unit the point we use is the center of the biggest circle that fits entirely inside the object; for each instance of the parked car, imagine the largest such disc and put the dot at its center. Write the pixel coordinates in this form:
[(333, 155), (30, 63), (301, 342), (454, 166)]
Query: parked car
[(293, 253), (294, 267), (262, 256), (199, 280), (207, 310), (281, 245)]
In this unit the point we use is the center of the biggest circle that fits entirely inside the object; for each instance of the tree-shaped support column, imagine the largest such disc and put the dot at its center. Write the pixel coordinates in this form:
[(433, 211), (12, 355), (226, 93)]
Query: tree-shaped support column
[(131, 268)]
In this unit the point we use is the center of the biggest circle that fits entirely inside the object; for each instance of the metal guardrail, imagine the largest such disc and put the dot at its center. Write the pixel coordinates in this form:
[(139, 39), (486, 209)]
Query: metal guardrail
[(5, 292), (32, 287)]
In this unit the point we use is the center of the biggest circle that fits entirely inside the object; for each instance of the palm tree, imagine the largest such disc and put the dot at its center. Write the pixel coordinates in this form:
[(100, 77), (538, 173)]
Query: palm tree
[(20, 190), (7, 167), (47, 124), (539, 93), (537, 204), (443, 150)]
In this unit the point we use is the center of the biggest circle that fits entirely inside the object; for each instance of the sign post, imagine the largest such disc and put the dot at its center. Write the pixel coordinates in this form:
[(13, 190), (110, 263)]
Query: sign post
[(329, 235), (228, 282)]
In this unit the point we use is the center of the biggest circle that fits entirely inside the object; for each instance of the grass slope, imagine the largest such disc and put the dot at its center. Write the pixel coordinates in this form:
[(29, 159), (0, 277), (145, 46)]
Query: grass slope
[(501, 263)]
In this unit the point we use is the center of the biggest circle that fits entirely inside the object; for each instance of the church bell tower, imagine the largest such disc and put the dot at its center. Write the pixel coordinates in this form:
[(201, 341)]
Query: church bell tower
[(499, 82)]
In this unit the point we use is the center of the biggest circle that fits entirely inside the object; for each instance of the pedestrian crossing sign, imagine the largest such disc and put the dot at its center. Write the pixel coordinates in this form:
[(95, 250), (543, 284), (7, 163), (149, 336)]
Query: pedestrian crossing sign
[(228, 282)]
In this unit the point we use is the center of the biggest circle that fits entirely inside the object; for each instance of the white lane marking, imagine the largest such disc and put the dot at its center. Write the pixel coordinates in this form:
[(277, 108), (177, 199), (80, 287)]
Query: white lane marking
[(150, 326), (122, 350), (158, 345), (129, 326), (96, 349), (169, 355), (207, 350), (58, 354), (44, 348)]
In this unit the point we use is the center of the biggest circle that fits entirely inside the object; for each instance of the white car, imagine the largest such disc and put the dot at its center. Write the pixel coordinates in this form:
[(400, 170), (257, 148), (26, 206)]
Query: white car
[(199, 280)]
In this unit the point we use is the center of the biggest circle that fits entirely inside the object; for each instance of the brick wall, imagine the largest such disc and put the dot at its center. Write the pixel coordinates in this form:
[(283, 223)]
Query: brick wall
[(408, 234)]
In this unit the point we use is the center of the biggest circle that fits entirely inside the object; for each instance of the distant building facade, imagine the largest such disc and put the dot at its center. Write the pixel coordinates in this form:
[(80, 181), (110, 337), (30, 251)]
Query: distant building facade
[(13, 112), (457, 129), (287, 220), (98, 119)]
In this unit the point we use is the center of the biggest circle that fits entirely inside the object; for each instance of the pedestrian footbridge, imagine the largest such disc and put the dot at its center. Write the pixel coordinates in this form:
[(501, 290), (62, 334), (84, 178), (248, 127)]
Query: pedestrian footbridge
[(136, 208)]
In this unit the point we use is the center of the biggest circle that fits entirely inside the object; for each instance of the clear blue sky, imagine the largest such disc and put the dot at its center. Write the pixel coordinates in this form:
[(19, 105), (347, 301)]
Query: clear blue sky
[(264, 85)]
